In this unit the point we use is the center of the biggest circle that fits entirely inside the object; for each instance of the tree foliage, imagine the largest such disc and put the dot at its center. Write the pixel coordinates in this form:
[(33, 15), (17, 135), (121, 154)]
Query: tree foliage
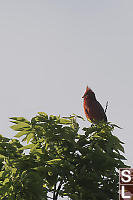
[(59, 159)]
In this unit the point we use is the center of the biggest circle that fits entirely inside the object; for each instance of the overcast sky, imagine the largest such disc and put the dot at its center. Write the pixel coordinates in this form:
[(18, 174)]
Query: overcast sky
[(50, 51)]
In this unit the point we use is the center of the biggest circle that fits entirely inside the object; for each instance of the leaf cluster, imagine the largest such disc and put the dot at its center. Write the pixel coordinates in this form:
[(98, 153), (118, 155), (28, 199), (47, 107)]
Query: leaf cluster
[(60, 159)]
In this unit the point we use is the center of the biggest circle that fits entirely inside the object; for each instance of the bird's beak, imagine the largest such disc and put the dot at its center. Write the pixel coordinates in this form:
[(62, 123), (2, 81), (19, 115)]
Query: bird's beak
[(83, 96)]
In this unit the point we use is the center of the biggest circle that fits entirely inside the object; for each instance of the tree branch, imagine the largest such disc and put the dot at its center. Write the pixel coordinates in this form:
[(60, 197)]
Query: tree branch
[(57, 191), (54, 194)]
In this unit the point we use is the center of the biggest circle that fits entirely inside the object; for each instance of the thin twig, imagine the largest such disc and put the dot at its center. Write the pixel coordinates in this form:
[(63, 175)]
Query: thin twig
[(106, 107)]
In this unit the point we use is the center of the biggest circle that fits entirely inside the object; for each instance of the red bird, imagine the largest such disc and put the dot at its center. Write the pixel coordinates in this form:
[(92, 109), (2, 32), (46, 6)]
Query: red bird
[(92, 108)]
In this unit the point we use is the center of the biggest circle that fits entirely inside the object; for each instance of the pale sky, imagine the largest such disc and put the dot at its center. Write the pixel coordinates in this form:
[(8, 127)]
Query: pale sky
[(50, 51)]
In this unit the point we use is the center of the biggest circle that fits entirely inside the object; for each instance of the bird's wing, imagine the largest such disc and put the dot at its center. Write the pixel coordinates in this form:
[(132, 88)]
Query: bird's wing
[(100, 111)]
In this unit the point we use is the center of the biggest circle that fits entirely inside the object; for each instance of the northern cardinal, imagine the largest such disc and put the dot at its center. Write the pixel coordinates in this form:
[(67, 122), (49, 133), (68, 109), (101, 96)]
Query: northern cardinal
[(92, 108)]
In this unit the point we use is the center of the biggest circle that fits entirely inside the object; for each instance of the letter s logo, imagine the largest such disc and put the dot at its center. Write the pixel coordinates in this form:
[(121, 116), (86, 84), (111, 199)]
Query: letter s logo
[(126, 173)]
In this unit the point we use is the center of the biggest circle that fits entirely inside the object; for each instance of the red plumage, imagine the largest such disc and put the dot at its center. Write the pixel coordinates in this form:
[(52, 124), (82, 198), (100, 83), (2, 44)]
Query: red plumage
[(92, 108)]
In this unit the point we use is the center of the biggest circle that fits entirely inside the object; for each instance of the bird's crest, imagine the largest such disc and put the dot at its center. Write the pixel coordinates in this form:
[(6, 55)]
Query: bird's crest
[(88, 89)]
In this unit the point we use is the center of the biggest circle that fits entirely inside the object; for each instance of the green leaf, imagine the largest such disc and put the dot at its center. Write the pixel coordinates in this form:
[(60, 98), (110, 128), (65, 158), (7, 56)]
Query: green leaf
[(20, 119), (20, 126), (52, 117), (29, 136), (78, 116), (35, 148), (114, 125), (120, 147), (65, 121), (29, 146), (1, 173), (2, 156), (42, 113), (117, 143), (5, 181), (21, 133), (54, 161)]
